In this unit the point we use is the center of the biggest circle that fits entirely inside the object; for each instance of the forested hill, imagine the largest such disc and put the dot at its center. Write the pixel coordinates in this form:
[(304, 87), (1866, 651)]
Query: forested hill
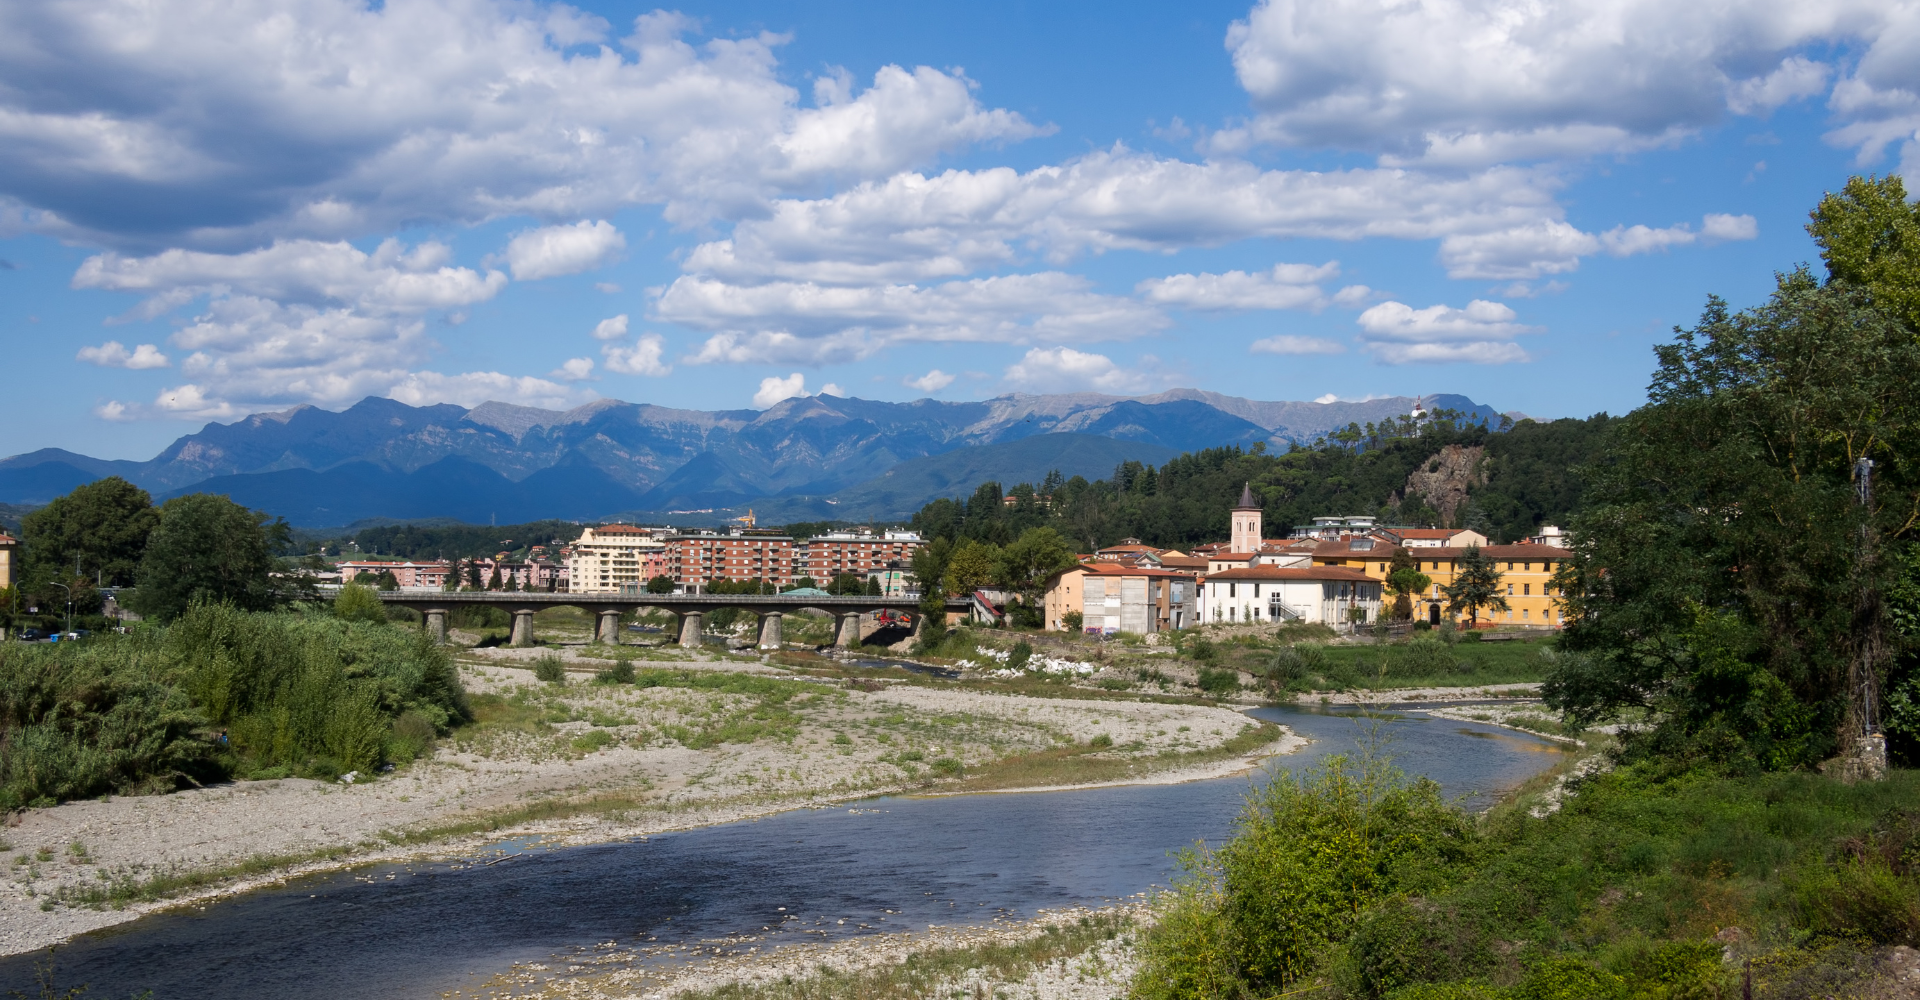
[(1440, 472)]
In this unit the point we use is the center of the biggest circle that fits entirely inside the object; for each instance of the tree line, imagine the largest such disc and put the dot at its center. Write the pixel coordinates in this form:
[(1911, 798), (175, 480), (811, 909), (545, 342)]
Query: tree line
[(1529, 467), (108, 533)]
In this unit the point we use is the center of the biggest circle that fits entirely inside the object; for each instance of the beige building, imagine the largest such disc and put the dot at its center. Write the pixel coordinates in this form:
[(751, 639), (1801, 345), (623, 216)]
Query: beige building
[(614, 557), (1113, 597), (9, 561)]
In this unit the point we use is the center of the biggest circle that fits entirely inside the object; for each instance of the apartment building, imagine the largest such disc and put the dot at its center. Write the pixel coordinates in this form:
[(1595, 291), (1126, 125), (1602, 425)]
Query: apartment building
[(1116, 597), (1526, 571), (1328, 595), (859, 552), (431, 575), (697, 557), (611, 558)]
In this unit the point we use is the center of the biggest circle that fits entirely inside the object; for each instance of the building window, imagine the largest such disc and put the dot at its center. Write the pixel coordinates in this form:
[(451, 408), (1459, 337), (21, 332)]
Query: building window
[(1509, 586), (1526, 589), (1232, 588)]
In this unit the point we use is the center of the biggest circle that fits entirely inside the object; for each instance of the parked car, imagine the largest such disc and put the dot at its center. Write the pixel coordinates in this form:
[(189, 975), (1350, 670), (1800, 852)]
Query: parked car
[(31, 635)]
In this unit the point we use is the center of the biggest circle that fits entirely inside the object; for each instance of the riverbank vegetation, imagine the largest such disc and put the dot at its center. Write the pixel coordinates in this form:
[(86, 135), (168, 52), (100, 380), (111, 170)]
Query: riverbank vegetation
[(219, 693), (1750, 608)]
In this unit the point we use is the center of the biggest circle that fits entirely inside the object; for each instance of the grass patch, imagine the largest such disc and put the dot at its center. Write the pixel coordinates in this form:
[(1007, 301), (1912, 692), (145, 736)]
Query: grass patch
[(1074, 765), (935, 972)]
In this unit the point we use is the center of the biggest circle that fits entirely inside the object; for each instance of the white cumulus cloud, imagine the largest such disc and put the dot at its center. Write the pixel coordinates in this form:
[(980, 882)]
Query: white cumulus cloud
[(1555, 247), (644, 357), (785, 321), (236, 123), (1483, 81), (473, 388), (1063, 369), (1286, 286), (574, 370), (773, 389), (1481, 333), (1292, 344), (114, 354), (552, 251), (611, 328), (933, 381)]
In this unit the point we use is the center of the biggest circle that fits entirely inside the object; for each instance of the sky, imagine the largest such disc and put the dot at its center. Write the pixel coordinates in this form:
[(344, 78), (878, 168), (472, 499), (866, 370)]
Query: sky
[(210, 209)]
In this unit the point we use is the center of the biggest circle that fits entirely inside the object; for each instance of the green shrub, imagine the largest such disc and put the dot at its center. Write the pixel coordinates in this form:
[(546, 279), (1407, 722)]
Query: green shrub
[(1073, 621), (620, 673), (1311, 852), (946, 766), (1100, 741), (1021, 656), (1449, 991), (1569, 979), (359, 603), (1219, 683), (1406, 941), (550, 669), (1426, 656), (593, 739), (1190, 952), (314, 693), (1296, 666), (216, 693), (413, 735)]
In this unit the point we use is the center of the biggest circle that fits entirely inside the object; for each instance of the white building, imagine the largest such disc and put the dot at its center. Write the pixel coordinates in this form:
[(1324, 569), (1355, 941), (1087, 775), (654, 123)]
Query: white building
[(1327, 595), (614, 557)]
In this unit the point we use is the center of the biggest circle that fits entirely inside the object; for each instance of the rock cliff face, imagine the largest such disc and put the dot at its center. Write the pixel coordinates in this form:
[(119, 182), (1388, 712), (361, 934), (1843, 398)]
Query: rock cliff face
[(1443, 480)]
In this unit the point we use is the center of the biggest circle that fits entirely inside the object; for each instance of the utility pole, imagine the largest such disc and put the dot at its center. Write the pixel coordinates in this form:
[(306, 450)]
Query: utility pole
[(1864, 745), (69, 591)]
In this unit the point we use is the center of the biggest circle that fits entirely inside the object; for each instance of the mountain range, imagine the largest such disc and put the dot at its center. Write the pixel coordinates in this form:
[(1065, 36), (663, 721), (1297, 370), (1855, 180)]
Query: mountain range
[(813, 457)]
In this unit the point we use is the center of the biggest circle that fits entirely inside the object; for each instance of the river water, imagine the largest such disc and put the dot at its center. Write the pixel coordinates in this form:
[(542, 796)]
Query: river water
[(894, 863)]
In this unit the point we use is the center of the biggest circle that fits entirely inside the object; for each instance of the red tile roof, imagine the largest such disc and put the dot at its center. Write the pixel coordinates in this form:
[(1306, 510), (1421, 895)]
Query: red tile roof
[(1262, 573), (1521, 552)]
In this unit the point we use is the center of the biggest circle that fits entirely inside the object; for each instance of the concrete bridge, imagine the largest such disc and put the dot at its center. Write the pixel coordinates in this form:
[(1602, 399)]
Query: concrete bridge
[(689, 608)]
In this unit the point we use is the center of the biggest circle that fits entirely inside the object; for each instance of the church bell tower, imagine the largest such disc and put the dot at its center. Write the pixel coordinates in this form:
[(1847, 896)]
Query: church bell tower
[(1246, 522)]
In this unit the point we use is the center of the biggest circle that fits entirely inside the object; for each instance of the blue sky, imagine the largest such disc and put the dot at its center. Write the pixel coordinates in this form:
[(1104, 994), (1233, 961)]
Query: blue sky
[(228, 208)]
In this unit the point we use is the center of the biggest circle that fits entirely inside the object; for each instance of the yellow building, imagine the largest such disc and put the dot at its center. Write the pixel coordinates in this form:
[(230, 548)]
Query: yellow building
[(9, 561), (1526, 571)]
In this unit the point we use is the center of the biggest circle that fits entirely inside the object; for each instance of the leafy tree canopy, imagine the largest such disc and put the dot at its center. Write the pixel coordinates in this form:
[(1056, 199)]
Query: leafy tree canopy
[(101, 528), (1725, 567), (207, 548), (1869, 237)]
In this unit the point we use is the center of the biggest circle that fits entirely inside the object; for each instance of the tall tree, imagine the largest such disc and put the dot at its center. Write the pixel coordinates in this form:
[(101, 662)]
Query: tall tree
[(1406, 581), (206, 547), (974, 564), (1476, 585), (1727, 573), (101, 528), (1869, 237), (1036, 555)]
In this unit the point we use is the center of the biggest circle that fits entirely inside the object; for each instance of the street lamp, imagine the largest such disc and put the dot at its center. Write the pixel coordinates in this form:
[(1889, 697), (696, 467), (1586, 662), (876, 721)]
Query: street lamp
[(69, 591)]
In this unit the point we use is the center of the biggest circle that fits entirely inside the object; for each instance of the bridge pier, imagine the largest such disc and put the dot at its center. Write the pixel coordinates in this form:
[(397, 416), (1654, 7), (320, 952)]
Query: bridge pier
[(690, 630), (609, 631), (522, 627), (848, 635), (437, 625), (770, 630)]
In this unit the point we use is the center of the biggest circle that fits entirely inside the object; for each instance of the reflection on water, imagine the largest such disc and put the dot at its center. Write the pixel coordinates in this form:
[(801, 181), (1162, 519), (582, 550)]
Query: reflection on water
[(890, 863)]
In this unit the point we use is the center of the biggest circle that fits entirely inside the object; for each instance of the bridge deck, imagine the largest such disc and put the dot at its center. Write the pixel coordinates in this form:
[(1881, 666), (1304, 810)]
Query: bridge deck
[(689, 607)]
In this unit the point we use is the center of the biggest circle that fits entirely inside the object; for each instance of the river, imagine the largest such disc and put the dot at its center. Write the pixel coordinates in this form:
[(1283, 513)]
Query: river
[(893, 863)]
